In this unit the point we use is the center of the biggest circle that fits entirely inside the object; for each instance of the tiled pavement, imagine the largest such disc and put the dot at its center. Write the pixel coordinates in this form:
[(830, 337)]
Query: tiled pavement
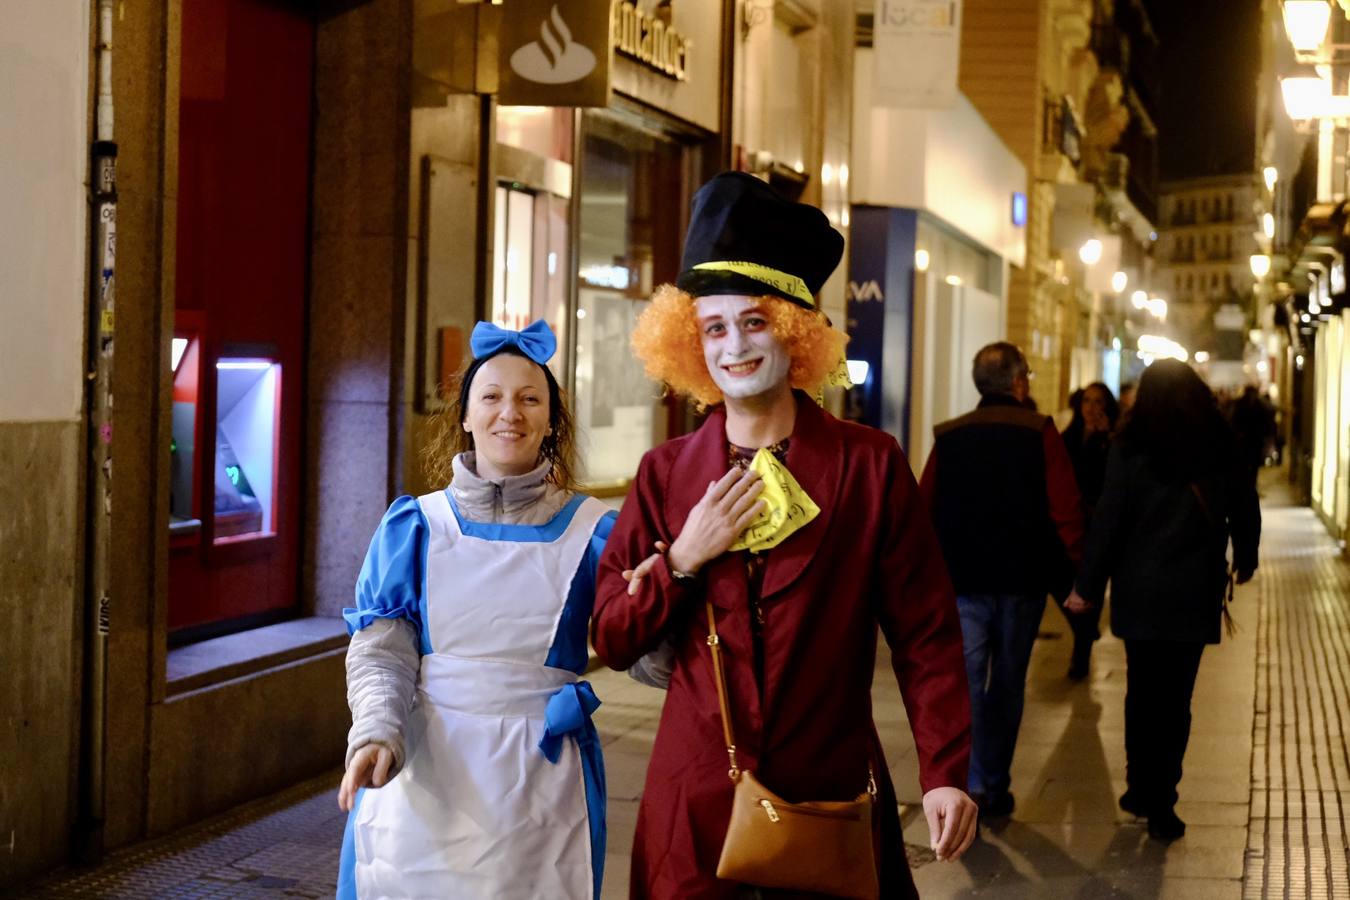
[(1300, 797), (1266, 790)]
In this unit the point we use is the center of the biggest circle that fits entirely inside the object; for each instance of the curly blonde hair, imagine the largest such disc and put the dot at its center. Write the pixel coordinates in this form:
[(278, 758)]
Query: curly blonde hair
[(667, 340)]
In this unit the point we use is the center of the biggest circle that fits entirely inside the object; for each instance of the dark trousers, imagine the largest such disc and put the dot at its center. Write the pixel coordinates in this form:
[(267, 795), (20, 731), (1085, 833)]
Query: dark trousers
[(998, 632), (1160, 678)]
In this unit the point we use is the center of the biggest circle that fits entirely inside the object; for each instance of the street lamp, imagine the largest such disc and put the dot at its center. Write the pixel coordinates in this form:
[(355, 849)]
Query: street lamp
[(1306, 97), (1155, 345), (1271, 175), (1139, 299), (1091, 252), (1119, 281), (1260, 264), (1268, 226), (1305, 21)]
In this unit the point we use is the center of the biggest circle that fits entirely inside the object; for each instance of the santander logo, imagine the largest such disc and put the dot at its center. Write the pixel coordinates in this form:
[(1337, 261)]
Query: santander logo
[(555, 58)]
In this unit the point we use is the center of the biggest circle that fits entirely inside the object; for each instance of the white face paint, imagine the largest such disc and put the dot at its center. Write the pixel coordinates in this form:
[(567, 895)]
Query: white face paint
[(742, 354)]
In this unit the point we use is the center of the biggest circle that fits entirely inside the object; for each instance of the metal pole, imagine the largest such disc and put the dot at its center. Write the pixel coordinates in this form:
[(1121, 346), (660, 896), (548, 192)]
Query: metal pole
[(99, 403)]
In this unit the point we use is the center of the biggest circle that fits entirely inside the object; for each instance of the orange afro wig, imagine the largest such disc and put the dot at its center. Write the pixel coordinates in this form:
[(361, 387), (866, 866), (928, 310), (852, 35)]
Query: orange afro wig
[(668, 342)]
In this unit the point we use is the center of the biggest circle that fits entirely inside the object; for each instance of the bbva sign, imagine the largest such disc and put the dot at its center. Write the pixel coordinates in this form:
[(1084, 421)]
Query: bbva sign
[(865, 292)]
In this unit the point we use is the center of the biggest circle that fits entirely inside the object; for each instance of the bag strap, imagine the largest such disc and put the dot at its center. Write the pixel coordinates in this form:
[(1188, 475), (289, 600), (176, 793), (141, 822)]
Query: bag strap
[(719, 675)]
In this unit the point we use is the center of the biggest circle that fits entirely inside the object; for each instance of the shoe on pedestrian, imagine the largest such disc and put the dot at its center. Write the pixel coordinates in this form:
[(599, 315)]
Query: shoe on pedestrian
[(995, 806), (1080, 660), (1132, 805), (1165, 826)]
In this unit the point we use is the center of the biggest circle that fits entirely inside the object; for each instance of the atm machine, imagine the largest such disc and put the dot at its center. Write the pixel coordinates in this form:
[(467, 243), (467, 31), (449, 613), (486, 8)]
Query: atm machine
[(225, 498)]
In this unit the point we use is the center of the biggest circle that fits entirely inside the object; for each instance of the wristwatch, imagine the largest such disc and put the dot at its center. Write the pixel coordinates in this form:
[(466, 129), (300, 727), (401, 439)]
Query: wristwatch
[(675, 573)]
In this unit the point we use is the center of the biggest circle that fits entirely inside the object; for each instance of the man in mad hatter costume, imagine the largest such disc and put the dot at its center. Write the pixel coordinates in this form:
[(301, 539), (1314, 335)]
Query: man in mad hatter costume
[(799, 584)]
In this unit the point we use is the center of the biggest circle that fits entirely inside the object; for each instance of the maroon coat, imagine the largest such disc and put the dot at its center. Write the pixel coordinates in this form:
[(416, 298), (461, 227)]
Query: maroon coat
[(870, 558)]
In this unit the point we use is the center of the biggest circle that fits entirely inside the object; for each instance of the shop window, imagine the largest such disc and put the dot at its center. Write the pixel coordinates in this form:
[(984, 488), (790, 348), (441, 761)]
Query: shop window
[(239, 316), (531, 265), (513, 258), (629, 243), (785, 125)]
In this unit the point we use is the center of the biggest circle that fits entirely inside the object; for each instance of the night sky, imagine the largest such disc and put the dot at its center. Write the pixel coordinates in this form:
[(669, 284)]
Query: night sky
[(1210, 61)]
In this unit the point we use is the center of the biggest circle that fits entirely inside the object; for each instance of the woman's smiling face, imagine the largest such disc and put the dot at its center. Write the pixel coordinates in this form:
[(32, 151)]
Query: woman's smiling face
[(742, 354), (507, 415)]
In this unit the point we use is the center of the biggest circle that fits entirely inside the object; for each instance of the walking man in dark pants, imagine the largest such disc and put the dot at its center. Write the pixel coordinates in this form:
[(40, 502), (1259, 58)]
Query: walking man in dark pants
[(1000, 486)]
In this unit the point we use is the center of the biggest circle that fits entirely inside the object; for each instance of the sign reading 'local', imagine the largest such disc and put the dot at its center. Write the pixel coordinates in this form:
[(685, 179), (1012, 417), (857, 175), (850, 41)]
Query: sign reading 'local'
[(916, 53), (555, 53)]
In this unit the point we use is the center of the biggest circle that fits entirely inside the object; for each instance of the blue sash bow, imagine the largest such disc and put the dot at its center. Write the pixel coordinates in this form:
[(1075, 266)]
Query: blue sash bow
[(569, 713)]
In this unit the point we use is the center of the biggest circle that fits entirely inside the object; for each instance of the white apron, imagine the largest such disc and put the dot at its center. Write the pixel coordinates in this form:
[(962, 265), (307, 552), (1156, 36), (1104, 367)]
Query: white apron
[(478, 811)]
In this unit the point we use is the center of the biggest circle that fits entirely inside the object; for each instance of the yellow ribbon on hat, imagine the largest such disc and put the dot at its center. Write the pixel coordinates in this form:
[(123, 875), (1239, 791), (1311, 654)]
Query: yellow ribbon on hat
[(786, 506), (786, 282)]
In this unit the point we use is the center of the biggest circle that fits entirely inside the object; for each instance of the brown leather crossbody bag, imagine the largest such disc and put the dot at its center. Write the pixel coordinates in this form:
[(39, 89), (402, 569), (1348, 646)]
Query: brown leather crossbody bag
[(823, 846)]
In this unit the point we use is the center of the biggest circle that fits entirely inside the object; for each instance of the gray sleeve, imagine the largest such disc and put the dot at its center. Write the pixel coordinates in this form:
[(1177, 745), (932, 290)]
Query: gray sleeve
[(654, 669), (382, 665)]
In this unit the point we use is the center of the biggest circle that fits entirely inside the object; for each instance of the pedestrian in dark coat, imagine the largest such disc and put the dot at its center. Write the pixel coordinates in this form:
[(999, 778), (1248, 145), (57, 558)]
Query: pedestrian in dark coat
[(1176, 493), (1088, 440), (1010, 524)]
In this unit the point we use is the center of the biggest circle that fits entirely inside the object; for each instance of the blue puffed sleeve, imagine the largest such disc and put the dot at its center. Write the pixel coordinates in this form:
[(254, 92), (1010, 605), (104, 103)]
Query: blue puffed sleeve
[(569, 649), (392, 583)]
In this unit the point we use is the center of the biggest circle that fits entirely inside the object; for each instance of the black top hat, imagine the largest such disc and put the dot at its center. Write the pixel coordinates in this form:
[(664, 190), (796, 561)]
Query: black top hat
[(746, 239)]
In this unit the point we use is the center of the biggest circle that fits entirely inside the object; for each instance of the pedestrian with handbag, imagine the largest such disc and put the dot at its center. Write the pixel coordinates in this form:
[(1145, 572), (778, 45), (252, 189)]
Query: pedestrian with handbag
[(1176, 494), (765, 551)]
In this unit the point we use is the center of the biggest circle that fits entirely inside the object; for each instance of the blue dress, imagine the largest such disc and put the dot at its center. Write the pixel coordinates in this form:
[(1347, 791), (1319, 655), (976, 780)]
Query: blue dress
[(503, 762)]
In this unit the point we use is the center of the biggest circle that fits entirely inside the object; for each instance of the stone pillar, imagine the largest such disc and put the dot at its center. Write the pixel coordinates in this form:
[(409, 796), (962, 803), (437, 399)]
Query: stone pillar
[(358, 279)]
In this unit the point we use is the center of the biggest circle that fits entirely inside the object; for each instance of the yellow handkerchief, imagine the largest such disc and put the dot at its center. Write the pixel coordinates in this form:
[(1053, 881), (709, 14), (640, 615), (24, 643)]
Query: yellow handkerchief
[(786, 506)]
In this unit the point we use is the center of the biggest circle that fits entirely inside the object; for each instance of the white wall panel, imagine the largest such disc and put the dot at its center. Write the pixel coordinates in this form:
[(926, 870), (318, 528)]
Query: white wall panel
[(948, 162), (44, 73)]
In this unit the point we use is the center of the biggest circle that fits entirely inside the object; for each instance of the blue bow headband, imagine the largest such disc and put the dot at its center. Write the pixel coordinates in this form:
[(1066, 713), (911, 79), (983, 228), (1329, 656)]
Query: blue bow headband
[(535, 340)]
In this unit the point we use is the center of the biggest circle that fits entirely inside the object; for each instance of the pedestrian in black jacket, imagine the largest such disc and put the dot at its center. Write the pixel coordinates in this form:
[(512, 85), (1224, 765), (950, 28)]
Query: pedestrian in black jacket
[(1176, 492), (1088, 440)]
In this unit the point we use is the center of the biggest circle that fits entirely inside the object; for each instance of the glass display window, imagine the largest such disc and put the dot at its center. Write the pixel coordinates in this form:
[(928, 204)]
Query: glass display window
[(631, 197), (185, 358), (513, 258)]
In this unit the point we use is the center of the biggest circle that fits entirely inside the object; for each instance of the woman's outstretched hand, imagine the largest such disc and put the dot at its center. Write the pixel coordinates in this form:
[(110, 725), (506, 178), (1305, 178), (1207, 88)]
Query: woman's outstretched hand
[(370, 768), (728, 506)]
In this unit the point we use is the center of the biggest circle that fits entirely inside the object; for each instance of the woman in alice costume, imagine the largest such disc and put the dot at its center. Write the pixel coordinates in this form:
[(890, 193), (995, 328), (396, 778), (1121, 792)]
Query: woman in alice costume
[(473, 768)]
